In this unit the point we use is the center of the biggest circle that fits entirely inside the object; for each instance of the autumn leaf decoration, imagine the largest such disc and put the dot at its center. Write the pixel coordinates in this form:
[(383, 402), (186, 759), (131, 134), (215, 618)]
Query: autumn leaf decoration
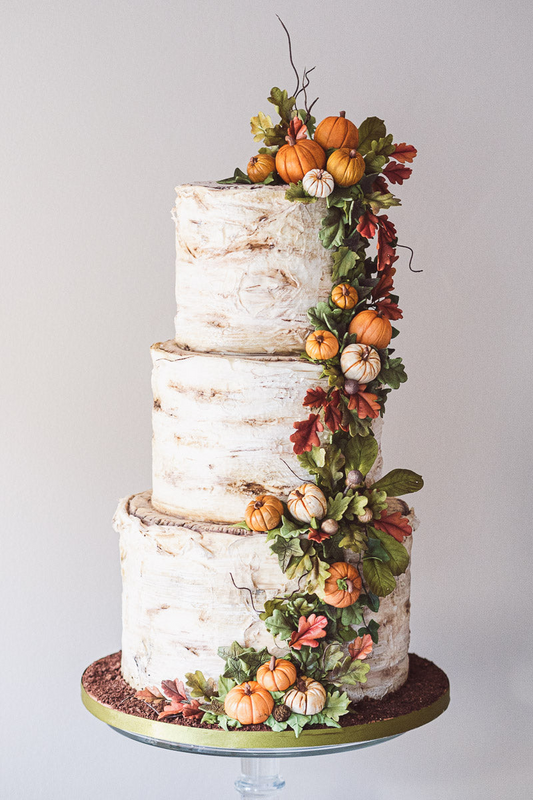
[(310, 629), (361, 647), (296, 131), (306, 436), (365, 403), (179, 703), (393, 524), (404, 152), (152, 697)]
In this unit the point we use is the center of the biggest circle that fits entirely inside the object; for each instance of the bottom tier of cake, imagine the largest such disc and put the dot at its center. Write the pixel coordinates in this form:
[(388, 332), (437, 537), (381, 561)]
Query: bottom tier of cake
[(190, 587)]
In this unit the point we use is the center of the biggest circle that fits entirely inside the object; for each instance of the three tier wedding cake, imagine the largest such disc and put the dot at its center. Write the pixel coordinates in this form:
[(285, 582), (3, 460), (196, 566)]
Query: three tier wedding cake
[(266, 575)]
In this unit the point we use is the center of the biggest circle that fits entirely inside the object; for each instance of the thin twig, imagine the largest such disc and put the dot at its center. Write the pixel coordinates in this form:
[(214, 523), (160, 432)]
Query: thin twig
[(406, 247), (293, 472), (245, 589), (290, 55)]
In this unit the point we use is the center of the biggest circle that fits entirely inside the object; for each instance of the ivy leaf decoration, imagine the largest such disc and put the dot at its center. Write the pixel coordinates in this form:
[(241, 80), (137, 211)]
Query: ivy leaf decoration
[(318, 575), (398, 560), (398, 482), (372, 129), (283, 103), (290, 529), (285, 549), (199, 685), (238, 177), (378, 577), (296, 193), (224, 685), (361, 453), (333, 654)]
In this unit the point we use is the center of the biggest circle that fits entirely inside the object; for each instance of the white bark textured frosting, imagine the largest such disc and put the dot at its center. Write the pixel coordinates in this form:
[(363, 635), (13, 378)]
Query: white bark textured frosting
[(221, 428), (180, 605), (249, 264)]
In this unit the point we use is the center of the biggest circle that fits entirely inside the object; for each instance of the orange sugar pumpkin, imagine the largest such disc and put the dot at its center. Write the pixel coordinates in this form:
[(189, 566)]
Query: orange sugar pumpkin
[(322, 345), (295, 159), (264, 513), (276, 675), (343, 586), (345, 296), (249, 703), (371, 328), (260, 166), (337, 132), (346, 165)]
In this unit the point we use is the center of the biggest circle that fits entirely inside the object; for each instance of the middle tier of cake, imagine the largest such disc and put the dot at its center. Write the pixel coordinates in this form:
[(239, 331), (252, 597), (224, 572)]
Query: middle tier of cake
[(221, 428)]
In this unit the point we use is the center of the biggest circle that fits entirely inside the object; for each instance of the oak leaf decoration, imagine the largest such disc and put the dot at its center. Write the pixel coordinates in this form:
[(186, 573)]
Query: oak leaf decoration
[(332, 412), (394, 524), (310, 630), (388, 309), (397, 173), (315, 398), (385, 284), (150, 695), (319, 536), (380, 185), (361, 647), (365, 403), (192, 709), (296, 130), (260, 126), (306, 436), (368, 223), (404, 152)]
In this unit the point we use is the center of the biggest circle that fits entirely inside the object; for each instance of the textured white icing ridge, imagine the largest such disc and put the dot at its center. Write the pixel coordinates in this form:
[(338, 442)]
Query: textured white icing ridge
[(221, 428), (249, 265), (180, 605)]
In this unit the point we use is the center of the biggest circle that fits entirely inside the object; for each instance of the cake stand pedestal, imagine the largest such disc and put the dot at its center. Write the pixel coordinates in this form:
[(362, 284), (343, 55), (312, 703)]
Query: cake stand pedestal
[(260, 769), (260, 751)]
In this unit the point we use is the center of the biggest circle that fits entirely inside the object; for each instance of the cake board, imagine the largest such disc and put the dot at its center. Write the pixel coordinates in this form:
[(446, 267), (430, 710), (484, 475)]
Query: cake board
[(260, 751)]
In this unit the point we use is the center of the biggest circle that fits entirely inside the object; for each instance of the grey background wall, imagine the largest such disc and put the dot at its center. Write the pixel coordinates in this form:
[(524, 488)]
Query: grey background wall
[(105, 107)]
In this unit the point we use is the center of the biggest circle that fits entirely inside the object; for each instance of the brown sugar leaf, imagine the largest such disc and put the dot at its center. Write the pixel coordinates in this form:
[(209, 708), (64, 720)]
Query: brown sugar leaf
[(310, 629)]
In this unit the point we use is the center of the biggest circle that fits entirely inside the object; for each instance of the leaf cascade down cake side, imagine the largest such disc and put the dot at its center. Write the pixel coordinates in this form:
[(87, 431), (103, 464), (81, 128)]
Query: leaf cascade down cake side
[(266, 576)]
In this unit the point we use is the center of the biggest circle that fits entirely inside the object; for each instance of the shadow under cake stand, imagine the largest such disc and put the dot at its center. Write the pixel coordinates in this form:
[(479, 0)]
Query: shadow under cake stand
[(260, 751)]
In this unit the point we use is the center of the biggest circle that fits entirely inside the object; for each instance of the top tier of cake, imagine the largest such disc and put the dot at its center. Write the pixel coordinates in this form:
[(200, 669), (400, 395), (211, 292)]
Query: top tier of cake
[(249, 265)]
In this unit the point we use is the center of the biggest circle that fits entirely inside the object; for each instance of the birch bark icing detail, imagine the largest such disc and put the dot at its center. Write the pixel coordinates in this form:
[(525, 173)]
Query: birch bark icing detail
[(221, 427), (253, 264), (180, 603)]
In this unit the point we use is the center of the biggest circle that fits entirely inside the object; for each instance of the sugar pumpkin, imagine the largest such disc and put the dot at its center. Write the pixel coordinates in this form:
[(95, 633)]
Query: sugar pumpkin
[(360, 362), (264, 513), (337, 132), (297, 158), (371, 328), (276, 675), (347, 166), (260, 166), (343, 586), (249, 703), (322, 345), (307, 697), (306, 502), (345, 296)]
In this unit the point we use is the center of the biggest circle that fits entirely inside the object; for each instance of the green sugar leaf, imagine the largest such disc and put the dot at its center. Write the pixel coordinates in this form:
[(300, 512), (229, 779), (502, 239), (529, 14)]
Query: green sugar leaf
[(297, 194), (398, 556), (378, 577), (398, 482), (337, 506), (372, 129), (361, 453)]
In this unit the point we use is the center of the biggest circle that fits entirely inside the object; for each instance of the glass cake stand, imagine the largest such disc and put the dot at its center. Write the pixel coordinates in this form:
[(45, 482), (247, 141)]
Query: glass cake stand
[(260, 751), (260, 769)]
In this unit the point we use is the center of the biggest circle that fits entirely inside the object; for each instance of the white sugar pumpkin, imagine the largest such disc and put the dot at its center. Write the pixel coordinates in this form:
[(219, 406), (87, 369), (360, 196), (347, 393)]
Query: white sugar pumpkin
[(307, 697), (360, 362), (306, 502), (318, 183)]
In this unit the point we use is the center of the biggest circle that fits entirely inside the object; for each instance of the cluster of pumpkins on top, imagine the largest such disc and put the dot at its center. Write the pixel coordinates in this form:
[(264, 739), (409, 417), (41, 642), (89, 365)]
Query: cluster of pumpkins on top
[(251, 703), (303, 159)]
